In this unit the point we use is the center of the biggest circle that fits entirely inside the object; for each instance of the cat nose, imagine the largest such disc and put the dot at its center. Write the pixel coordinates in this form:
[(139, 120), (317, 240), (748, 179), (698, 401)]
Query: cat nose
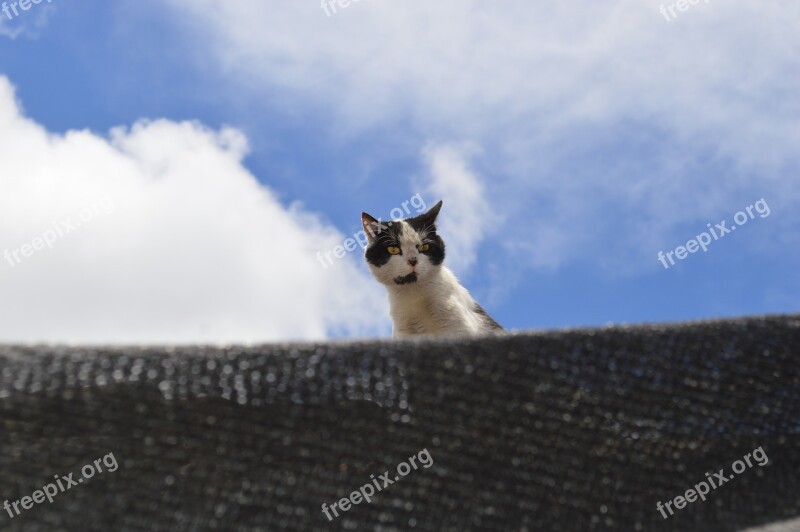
[(412, 261)]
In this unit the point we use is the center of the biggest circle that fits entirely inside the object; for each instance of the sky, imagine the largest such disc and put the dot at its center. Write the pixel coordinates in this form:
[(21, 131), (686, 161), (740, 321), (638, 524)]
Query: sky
[(182, 171)]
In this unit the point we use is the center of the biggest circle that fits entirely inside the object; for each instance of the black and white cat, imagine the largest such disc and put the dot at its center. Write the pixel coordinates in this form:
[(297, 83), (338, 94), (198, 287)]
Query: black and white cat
[(424, 295)]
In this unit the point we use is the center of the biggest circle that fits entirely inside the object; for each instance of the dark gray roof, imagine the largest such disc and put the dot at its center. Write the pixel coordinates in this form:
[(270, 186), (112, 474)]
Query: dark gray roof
[(571, 430)]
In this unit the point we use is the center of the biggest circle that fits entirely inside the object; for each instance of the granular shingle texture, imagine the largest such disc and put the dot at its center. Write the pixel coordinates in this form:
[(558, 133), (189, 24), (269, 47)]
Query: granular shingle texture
[(572, 430)]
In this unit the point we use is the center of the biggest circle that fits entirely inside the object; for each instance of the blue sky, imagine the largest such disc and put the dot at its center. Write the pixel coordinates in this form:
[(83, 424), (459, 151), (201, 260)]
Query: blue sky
[(570, 144)]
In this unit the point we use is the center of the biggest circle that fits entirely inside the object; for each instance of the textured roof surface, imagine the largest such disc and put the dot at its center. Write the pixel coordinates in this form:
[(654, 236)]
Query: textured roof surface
[(572, 430)]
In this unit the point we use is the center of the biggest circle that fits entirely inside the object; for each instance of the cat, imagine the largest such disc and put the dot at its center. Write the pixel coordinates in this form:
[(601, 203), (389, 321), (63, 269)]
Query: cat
[(425, 297)]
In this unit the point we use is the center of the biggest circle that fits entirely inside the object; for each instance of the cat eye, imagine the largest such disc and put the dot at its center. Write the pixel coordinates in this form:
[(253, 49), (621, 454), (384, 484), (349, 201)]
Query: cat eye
[(393, 250), (424, 247)]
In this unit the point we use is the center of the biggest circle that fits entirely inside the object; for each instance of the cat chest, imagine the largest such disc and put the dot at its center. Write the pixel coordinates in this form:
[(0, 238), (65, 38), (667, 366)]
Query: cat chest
[(413, 319), (420, 316)]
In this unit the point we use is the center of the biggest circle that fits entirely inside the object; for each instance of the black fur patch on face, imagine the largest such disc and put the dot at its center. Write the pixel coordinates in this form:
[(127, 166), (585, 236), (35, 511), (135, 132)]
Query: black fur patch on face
[(425, 225), (436, 251), (424, 222), (376, 253), (410, 278)]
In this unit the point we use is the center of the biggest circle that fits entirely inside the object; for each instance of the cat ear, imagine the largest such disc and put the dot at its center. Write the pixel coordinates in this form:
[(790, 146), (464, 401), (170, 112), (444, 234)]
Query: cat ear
[(431, 215), (372, 227)]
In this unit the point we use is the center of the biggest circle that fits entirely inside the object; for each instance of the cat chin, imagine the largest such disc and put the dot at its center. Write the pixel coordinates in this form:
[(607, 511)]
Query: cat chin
[(406, 279)]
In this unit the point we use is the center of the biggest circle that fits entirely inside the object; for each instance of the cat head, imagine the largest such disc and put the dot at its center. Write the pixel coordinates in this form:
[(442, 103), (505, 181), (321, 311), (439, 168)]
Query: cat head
[(404, 252)]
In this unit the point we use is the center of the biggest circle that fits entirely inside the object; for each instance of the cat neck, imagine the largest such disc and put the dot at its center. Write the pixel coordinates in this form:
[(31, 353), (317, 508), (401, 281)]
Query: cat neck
[(439, 288)]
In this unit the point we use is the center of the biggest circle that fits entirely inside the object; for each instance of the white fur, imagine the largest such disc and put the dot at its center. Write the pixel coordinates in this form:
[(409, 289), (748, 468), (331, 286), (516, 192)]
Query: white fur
[(436, 304)]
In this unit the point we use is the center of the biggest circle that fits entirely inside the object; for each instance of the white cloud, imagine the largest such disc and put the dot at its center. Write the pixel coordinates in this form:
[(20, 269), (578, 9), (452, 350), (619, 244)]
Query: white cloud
[(607, 125), (194, 249), (558, 63), (10, 32), (466, 217)]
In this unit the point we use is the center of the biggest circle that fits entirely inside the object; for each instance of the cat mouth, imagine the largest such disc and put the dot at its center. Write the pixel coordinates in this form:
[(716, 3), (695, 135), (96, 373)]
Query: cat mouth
[(406, 279)]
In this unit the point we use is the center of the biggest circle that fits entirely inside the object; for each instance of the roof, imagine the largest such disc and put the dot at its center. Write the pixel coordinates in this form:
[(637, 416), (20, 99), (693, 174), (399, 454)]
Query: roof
[(564, 430)]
